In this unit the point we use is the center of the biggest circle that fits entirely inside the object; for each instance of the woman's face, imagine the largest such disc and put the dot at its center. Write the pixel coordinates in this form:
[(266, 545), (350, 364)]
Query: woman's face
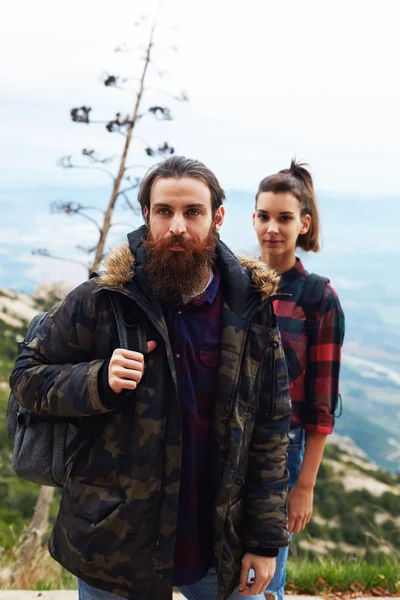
[(278, 223)]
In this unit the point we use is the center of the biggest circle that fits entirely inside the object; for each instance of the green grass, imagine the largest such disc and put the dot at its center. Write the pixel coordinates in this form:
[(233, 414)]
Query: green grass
[(329, 575), (63, 581)]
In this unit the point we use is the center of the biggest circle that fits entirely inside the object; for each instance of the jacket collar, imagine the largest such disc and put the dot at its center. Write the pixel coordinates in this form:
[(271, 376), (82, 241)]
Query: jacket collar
[(245, 281)]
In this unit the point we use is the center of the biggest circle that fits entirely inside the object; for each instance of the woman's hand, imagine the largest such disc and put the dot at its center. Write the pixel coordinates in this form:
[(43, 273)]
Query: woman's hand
[(300, 507)]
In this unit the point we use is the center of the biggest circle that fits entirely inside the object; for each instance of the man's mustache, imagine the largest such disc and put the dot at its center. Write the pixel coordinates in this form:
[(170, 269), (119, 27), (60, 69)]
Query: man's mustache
[(168, 242)]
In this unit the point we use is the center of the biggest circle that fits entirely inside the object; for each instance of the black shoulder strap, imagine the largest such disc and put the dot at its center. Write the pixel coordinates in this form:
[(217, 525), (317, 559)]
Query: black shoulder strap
[(131, 332), (311, 299)]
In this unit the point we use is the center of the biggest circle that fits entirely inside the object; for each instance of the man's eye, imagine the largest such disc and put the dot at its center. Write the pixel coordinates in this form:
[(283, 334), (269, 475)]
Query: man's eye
[(163, 211), (193, 212)]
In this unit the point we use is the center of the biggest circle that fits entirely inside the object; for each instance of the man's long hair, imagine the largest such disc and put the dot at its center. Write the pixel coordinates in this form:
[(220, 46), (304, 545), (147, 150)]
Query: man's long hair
[(178, 167)]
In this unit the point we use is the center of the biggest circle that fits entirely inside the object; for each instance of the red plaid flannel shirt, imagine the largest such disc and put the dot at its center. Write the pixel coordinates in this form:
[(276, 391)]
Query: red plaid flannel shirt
[(315, 409)]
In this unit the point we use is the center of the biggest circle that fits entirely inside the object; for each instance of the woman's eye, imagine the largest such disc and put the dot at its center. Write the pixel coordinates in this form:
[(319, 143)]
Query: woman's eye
[(262, 217), (286, 218)]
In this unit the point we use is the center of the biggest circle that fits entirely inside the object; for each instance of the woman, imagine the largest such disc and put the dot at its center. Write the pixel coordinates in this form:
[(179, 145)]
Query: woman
[(286, 218)]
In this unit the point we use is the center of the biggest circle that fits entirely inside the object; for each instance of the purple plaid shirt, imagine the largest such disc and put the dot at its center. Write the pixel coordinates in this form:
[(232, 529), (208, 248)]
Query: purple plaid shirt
[(195, 331)]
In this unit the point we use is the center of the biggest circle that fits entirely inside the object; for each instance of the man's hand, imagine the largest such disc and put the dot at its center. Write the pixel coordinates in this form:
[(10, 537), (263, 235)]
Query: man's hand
[(300, 506), (126, 368), (264, 569)]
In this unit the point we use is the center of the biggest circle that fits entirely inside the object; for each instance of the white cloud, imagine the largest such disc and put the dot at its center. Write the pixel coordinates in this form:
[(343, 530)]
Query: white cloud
[(266, 81)]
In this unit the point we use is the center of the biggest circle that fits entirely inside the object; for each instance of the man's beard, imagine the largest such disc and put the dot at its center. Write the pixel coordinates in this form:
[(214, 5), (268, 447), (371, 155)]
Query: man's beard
[(176, 275)]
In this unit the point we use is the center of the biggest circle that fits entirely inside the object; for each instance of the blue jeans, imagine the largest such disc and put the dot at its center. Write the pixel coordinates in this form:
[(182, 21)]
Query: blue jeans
[(205, 589), (295, 460)]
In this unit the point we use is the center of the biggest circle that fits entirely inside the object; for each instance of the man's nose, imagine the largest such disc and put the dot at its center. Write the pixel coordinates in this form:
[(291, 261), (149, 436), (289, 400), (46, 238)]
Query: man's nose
[(177, 226)]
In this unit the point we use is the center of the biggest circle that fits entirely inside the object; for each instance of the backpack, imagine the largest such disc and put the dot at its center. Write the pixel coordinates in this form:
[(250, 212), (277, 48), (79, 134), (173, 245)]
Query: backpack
[(310, 302), (44, 446)]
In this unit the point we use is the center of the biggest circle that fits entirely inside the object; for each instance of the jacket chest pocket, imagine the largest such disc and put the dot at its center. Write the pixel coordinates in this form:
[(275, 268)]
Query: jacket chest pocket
[(270, 391), (258, 367)]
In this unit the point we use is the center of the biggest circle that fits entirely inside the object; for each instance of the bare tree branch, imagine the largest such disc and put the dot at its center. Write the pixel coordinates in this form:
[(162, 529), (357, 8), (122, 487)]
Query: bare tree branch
[(163, 150), (71, 208), (162, 113), (86, 249), (118, 124), (116, 81), (126, 190), (65, 162), (130, 205), (88, 218), (182, 97), (45, 253), (136, 166), (81, 114), (91, 155), (117, 182)]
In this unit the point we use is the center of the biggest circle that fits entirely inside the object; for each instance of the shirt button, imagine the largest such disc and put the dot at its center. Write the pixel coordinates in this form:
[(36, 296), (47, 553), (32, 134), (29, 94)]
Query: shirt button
[(177, 355), (179, 312)]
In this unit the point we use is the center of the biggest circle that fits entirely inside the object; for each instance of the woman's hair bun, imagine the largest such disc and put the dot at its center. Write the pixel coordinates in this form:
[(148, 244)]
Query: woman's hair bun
[(299, 171)]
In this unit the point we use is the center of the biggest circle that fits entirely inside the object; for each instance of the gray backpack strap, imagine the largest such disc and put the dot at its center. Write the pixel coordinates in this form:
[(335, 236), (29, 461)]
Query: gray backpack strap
[(119, 320), (131, 331), (311, 299)]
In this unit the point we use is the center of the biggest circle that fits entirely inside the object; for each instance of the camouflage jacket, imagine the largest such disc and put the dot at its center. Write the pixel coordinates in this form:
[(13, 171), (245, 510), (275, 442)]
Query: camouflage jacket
[(116, 523)]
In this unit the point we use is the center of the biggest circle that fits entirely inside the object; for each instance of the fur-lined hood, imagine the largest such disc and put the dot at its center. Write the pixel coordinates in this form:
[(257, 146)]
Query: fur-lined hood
[(120, 269)]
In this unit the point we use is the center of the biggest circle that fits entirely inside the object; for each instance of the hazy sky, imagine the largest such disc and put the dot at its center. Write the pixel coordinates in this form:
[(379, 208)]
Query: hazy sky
[(266, 81)]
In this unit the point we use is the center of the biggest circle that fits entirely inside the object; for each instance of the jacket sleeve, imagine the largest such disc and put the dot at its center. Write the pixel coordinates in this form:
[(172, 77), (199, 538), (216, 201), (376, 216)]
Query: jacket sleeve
[(265, 524), (55, 374)]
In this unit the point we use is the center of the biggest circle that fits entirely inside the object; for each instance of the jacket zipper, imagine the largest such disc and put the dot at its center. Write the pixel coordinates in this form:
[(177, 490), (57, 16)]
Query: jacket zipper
[(233, 394), (273, 378), (143, 305), (234, 389)]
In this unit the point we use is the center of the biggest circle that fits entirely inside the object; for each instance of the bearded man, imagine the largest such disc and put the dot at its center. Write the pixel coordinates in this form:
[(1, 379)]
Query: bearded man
[(183, 483)]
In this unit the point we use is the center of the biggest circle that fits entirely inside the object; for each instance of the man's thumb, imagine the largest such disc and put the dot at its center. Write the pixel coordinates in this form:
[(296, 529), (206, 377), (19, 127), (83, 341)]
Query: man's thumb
[(151, 346), (243, 578)]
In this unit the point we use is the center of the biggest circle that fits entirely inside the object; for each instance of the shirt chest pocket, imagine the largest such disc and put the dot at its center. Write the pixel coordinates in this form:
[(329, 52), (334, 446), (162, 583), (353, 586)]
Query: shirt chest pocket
[(205, 381), (209, 357)]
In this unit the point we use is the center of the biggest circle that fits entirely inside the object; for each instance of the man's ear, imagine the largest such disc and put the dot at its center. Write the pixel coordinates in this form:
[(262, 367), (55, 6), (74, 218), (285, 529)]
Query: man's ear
[(219, 216), (146, 214)]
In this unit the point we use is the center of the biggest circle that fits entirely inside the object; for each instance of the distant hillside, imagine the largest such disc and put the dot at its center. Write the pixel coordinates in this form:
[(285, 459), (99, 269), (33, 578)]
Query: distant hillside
[(16, 311), (357, 509)]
